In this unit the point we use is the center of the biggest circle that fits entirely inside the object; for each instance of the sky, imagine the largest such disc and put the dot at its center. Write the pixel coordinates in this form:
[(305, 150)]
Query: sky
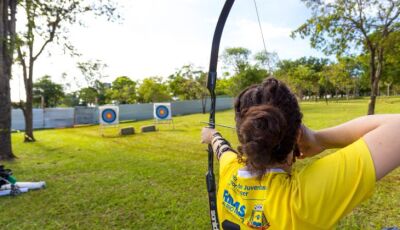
[(156, 37)]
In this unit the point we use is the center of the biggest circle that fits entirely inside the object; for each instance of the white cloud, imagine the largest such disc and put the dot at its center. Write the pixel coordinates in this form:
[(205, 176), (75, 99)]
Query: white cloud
[(246, 33), (251, 27)]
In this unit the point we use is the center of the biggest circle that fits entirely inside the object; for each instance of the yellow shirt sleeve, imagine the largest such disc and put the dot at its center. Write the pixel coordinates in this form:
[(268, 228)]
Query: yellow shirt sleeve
[(227, 159), (332, 186)]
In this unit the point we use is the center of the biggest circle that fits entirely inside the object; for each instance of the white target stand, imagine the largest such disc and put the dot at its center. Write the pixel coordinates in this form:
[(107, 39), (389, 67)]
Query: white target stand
[(108, 117), (163, 114)]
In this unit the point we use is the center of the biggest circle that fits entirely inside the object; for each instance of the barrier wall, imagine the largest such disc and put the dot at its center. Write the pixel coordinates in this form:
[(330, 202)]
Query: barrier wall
[(68, 117), (44, 118)]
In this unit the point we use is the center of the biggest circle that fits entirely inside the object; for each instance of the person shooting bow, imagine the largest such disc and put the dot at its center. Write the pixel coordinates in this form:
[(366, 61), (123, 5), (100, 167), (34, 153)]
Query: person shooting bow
[(258, 188)]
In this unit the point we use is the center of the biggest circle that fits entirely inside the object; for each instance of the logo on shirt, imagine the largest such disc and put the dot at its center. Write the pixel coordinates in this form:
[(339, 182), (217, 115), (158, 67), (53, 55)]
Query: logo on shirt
[(257, 219), (246, 191), (233, 206)]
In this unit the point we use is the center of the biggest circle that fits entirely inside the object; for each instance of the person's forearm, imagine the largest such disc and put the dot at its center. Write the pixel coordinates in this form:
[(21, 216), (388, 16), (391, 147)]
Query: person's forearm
[(345, 134), (220, 145)]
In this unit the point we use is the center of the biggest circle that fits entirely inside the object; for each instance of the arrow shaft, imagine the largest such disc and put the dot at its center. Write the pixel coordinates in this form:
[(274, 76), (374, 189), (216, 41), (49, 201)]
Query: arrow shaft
[(212, 124)]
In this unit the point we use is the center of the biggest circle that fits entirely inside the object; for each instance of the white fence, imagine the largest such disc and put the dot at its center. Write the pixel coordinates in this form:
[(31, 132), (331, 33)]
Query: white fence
[(68, 117)]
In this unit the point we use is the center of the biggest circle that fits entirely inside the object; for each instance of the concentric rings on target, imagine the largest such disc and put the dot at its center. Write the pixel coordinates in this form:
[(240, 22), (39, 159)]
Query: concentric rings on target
[(109, 115), (162, 112)]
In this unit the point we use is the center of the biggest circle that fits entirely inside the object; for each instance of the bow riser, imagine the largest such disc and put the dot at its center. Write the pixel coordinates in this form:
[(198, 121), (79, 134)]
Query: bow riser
[(211, 83)]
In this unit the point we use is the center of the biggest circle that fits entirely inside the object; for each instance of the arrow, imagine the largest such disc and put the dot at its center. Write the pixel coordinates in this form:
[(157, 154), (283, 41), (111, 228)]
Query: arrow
[(212, 124)]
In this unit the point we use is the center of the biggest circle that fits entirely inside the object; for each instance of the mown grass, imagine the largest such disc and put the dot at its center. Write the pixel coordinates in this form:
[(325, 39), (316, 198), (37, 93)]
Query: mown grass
[(152, 180)]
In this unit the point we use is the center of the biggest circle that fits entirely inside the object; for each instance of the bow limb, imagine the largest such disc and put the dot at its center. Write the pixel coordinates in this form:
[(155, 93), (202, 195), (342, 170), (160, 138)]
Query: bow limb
[(211, 83)]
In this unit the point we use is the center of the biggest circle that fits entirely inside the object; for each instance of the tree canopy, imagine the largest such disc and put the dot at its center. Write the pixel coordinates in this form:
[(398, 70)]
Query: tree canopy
[(188, 83), (347, 26), (50, 92), (152, 89), (123, 90)]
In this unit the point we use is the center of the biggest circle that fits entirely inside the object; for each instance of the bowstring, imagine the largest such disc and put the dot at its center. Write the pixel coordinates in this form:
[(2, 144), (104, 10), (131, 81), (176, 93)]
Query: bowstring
[(261, 31)]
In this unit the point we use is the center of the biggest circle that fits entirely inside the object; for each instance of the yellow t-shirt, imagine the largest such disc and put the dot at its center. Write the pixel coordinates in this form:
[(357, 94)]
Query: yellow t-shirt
[(316, 197)]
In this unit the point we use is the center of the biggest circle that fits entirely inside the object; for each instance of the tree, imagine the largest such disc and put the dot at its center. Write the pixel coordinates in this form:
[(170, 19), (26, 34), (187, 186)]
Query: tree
[(88, 96), (7, 44), (313, 74), (47, 21), (153, 89), (342, 26), (364, 79), (302, 79), (303, 75), (188, 83), (71, 99), (267, 60), (50, 92), (175, 83), (340, 77), (245, 74), (224, 87), (391, 70), (102, 89), (123, 90), (201, 80), (237, 58), (249, 76)]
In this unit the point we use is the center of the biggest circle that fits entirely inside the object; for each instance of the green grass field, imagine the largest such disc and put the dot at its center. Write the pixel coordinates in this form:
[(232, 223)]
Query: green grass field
[(153, 180)]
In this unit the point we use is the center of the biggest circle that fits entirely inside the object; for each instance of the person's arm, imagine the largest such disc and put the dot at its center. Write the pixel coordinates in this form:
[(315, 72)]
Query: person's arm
[(219, 144), (380, 133)]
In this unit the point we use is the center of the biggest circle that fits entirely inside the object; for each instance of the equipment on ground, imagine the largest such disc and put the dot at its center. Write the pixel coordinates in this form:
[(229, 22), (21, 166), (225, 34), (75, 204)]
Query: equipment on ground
[(148, 128), (127, 131), (28, 185), (10, 186)]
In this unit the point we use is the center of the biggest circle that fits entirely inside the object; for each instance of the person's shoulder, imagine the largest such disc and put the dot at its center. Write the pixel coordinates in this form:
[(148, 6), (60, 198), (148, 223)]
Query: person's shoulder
[(359, 146), (228, 157), (228, 160)]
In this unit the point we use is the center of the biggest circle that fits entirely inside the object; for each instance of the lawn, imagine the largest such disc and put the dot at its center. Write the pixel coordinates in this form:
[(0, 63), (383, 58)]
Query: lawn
[(153, 180)]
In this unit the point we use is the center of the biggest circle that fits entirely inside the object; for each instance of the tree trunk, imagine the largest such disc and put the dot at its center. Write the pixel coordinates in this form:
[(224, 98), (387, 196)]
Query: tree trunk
[(203, 103), (301, 95), (337, 95), (5, 111), (7, 35), (28, 113), (355, 90), (388, 89), (374, 83), (371, 106), (326, 98), (27, 62)]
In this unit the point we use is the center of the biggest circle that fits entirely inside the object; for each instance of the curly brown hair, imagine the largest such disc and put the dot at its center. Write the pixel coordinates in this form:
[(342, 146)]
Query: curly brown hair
[(268, 119)]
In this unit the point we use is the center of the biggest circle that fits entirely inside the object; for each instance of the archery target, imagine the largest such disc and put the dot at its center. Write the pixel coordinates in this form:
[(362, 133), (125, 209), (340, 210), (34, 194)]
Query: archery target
[(109, 115), (162, 111)]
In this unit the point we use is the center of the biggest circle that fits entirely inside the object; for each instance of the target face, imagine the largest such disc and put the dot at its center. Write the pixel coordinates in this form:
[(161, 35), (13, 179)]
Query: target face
[(108, 115), (162, 111)]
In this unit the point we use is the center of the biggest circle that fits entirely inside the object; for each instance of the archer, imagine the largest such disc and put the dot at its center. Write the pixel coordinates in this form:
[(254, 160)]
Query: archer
[(258, 178)]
